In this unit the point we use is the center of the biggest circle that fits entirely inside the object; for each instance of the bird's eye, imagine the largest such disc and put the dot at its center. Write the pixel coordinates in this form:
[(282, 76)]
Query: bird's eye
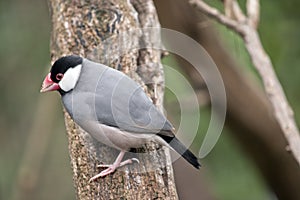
[(59, 76)]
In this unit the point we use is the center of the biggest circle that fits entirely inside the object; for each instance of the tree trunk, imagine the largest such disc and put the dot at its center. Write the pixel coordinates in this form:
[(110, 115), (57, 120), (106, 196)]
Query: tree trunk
[(109, 32)]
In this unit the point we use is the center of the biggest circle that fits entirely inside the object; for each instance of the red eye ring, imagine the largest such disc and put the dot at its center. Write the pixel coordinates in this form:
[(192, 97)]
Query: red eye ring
[(59, 76)]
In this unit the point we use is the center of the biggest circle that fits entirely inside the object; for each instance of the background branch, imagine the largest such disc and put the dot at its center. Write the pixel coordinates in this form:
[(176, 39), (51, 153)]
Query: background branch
[(262, 63), (248, 115), (253, 12), (218, 16), (233, 10)]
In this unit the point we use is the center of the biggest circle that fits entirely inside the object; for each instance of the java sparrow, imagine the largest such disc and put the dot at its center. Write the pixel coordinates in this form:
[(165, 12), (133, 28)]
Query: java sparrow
[(111, 107)]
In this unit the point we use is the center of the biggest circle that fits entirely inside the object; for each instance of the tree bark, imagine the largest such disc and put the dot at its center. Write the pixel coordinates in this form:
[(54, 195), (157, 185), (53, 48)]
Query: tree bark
[(249, 115), (109, 31)]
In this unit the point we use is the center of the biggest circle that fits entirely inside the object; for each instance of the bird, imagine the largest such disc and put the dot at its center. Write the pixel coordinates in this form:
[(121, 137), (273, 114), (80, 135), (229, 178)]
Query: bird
[(112, 108)]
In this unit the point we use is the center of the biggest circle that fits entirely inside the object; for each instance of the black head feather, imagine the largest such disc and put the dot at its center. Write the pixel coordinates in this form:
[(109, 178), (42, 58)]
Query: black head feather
[(63, 64)]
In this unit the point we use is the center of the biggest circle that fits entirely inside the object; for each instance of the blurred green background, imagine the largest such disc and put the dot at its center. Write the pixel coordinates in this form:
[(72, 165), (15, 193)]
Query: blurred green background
[(25, 28)]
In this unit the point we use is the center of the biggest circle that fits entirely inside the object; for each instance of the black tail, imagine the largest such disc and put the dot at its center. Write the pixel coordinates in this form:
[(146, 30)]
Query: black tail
[(182, 150)]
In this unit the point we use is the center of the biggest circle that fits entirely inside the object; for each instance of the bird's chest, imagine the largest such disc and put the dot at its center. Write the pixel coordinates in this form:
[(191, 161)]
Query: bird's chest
[(80, 106)]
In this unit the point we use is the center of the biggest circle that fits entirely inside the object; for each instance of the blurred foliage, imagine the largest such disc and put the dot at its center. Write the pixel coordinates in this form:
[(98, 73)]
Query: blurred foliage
[(24, 54)]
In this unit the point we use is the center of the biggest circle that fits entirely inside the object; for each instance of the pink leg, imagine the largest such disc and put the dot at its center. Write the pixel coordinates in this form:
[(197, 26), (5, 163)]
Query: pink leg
[(111, 168)]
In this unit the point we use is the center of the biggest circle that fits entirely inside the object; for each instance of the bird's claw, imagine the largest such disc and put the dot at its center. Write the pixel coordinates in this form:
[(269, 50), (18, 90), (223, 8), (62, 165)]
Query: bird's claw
[(103, 166), (111, 168), (126, 162), (136, 160), (105, 172)]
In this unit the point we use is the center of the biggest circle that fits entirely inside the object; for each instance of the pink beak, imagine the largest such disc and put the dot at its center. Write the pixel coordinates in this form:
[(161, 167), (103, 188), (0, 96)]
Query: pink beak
[(49, 85)]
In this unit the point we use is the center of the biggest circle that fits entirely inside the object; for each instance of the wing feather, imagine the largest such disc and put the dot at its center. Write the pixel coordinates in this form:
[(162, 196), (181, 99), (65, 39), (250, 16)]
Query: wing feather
[(120, 102)]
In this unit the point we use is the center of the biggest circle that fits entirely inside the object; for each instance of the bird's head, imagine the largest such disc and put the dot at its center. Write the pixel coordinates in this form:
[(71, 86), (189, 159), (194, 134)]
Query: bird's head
[(63, 75)]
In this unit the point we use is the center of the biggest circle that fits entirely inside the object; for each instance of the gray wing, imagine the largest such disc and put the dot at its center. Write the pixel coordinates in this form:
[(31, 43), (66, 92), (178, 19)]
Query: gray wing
[(121, 102), (116, 100)]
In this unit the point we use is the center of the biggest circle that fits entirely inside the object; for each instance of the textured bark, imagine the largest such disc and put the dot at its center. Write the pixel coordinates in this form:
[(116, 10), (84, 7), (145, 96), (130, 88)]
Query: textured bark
[(104, 31), (249, 114)]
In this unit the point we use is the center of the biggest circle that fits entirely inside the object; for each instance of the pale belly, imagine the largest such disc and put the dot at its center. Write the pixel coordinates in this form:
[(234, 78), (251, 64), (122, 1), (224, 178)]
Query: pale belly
[(116, 138)]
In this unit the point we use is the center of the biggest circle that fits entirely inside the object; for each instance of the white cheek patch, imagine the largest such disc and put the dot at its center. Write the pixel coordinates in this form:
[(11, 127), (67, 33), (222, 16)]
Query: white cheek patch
[(70, 78)]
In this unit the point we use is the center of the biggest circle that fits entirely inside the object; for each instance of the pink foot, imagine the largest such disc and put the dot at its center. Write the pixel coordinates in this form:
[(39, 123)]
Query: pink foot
[(111, 168), (126, 162)]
